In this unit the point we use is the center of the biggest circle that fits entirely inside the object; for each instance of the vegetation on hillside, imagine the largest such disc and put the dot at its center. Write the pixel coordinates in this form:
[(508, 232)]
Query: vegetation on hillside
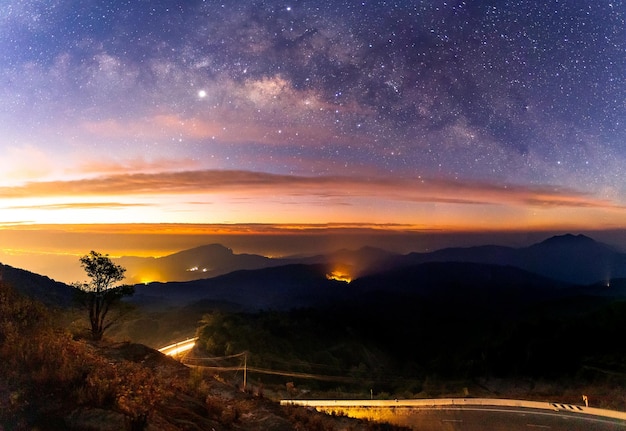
[(45, 372), (101, 292), (51, 380), (403, 345)]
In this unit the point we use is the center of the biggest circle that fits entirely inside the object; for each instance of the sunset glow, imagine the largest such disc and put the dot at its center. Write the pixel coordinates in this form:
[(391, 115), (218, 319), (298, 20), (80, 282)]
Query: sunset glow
[(411, 117), (210, 196)]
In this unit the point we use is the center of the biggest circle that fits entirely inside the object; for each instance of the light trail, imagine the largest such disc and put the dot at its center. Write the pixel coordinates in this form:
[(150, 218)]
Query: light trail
[(178, 348)]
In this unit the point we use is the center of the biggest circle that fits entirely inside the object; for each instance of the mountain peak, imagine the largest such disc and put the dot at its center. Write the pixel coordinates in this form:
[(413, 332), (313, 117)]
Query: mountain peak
[(208, 249), (575, 243), (569, 239)]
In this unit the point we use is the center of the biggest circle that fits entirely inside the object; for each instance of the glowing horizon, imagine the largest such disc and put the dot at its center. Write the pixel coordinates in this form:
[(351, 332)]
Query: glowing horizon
[(453, 117), (243, 197)]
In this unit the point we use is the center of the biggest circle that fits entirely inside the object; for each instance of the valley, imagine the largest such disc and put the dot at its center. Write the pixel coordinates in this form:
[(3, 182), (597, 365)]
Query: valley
[(482, 322)]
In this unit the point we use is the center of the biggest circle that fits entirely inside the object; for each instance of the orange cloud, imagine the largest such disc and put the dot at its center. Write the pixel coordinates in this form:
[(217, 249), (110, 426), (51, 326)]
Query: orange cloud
[(79, 205), (342, 189)]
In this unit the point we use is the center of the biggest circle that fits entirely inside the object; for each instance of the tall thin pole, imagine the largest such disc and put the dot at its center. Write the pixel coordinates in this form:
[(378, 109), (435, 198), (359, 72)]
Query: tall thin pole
[(245, 370)]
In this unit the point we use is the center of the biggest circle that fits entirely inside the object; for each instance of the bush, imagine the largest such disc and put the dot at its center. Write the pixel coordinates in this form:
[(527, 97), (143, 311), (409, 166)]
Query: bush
[(41, 363)]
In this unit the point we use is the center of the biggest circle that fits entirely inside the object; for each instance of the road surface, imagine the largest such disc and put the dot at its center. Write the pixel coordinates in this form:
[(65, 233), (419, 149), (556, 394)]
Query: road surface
[(452, 414), (476, 414), (482, 418)]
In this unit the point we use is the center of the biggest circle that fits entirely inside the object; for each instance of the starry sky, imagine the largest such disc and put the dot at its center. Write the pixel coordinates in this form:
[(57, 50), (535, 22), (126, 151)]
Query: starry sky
[(474, 115)]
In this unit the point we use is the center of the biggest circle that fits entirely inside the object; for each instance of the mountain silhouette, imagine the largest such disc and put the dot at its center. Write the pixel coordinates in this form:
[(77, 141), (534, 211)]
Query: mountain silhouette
[(575, 259), (196, 263), (435, 278), (494, 273), (569, 258), (252, 282), (298, 285), (37, 286), (282, 287), (215, 259)]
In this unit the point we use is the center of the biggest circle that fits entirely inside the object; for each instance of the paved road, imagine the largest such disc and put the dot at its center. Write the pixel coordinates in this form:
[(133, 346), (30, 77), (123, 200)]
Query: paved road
[(483, 418), (463, 414), (476, 414)]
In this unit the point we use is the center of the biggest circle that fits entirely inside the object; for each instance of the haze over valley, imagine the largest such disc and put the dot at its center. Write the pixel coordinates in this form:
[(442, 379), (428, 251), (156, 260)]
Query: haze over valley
[(476, 318)]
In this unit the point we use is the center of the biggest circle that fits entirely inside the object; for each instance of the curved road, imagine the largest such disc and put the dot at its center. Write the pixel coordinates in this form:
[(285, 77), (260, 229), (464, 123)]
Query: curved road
[(482, 418), (453, 414), (475, 414)]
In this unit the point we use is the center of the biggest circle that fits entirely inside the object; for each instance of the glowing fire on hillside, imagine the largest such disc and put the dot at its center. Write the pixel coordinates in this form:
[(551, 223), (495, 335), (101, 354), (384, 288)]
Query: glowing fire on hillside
[(340, 274), (146, 278)]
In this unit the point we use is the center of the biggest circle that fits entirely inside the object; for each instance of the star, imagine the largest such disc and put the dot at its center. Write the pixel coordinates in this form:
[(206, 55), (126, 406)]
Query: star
[(522, 95)]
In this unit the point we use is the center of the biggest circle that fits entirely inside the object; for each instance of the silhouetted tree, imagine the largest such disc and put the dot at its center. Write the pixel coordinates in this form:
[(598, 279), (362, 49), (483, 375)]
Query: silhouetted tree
[(99, 294)]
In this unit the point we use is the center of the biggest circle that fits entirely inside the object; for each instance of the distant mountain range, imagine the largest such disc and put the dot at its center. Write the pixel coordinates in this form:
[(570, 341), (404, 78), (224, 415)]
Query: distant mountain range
[(557, 266), (533, 310), (213, 274), (282, 287), (575, 259), (298, 285), (215, 259), (193, 264)]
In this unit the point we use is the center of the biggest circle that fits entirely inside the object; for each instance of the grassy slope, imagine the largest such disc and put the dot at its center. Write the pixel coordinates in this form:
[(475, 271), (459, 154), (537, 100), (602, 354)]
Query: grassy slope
[(400, 347), (49, 380)]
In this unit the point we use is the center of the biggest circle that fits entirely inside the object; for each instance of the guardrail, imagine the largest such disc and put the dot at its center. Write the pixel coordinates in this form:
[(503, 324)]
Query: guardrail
[(451, 402)]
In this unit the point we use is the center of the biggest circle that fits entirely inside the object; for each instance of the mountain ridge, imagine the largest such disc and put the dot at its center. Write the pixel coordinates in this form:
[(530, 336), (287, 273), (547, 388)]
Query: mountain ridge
[(205, 261), (571, 258), (576, 259), (566, 259), (41, 287)]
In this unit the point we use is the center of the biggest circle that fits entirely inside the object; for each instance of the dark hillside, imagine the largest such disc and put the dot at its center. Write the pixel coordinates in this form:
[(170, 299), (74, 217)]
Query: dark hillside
[(48, 380), (575, 259), (283, 287), (36, 286), (441, 278), (415, 345), (294, 286), (170, 311)]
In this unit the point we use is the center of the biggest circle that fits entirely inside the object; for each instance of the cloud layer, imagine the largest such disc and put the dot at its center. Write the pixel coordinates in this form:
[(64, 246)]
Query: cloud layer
[(442, 113)]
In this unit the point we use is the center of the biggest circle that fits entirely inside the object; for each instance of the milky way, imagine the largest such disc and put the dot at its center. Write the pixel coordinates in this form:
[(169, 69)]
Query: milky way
[(520, 102)]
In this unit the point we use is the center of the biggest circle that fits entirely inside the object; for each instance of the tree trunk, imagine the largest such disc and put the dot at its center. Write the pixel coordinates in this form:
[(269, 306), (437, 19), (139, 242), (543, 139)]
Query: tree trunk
[(95, 318)]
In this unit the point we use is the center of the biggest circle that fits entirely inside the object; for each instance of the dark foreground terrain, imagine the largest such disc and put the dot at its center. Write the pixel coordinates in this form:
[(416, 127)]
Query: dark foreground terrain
[(450, 324), (474, 343), (50, 380)]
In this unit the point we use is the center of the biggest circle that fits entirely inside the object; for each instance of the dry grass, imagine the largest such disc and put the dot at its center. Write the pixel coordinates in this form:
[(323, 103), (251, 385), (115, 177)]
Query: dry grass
[(50, 380)]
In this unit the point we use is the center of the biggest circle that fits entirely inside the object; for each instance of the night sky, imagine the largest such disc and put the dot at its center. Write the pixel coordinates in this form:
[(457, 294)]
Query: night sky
[(435, 114)]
